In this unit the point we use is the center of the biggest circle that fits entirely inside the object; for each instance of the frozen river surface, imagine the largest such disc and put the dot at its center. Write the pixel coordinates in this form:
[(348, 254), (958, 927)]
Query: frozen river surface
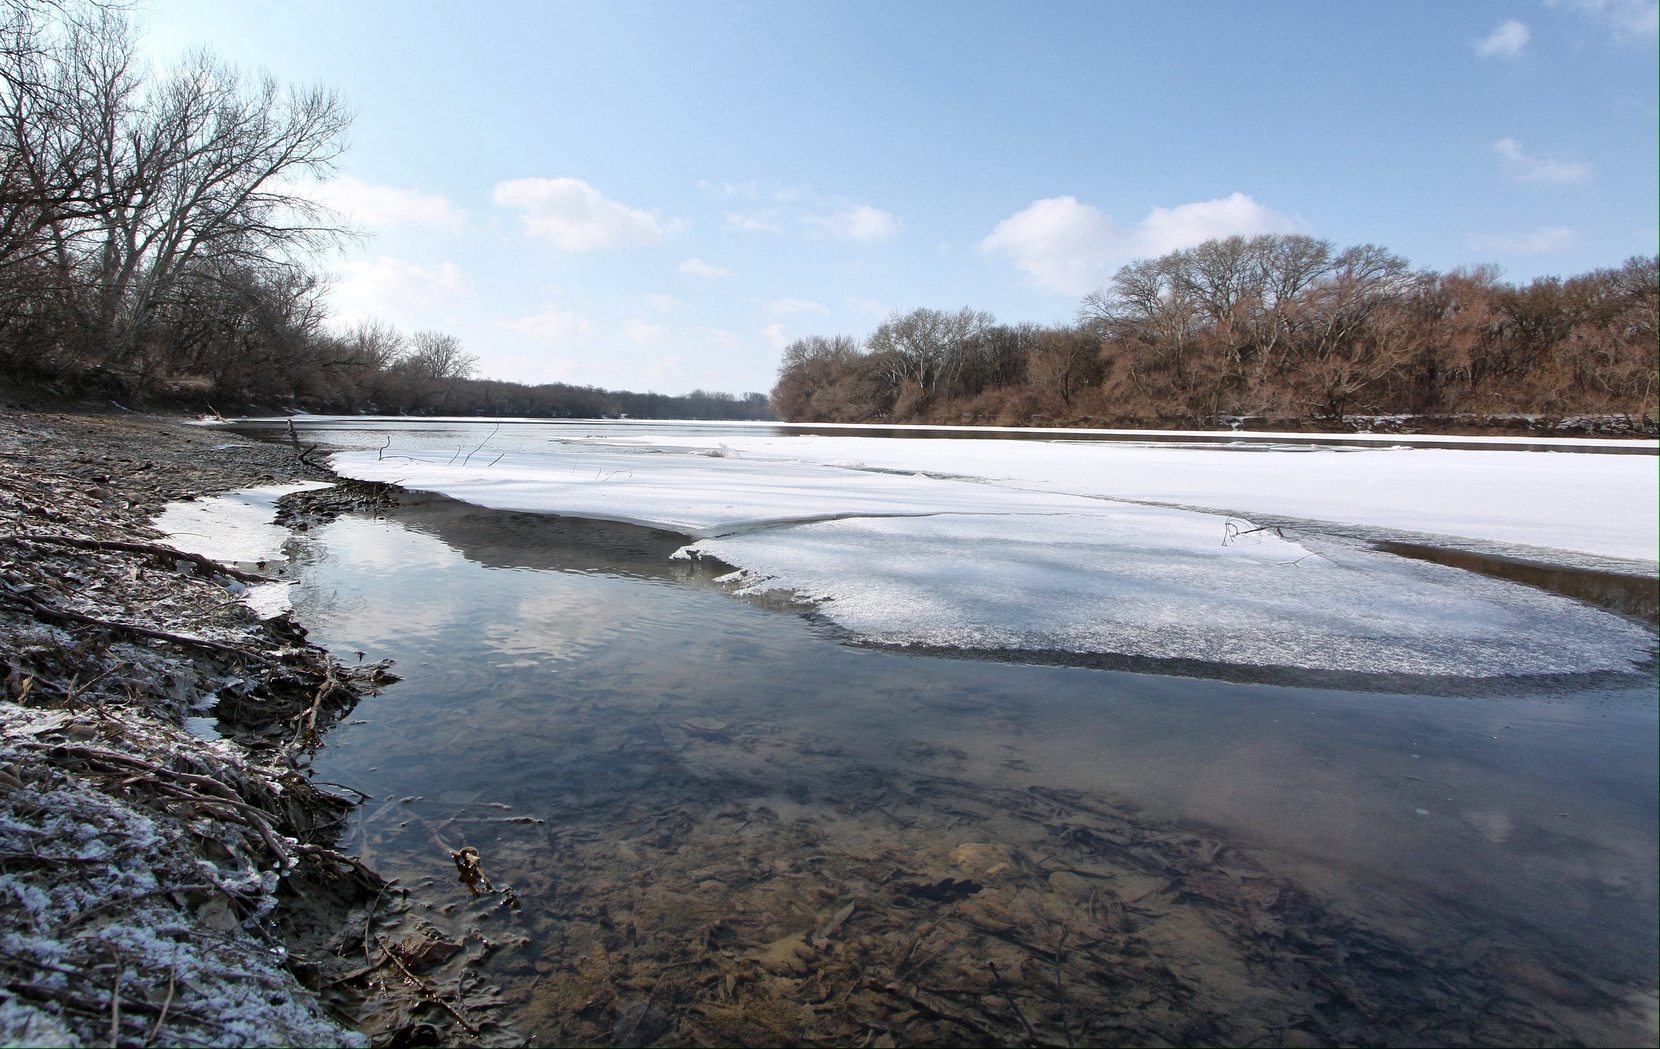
[(1251, 554)]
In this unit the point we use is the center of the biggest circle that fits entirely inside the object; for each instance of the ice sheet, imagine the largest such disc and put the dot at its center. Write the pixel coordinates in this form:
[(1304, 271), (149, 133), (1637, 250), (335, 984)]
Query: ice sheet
[(1585, 503), (1021, 545)]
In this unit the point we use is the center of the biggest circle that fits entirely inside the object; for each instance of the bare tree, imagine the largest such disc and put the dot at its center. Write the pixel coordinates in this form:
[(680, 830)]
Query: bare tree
[(927, 347), (809, 366), (113, 187), (201, 171), (432, 367), (55, 67)]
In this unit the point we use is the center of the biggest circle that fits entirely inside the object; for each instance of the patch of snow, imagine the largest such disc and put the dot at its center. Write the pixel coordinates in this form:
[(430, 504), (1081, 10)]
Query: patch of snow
[(106, 882), (238, 528)]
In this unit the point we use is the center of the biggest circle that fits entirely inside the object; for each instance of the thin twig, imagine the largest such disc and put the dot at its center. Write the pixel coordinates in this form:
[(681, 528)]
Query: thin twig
[(481, 444), (115, 1006), (1031, 1034), (123, 901), (426, 988), (1060, 988), (167, 1003)]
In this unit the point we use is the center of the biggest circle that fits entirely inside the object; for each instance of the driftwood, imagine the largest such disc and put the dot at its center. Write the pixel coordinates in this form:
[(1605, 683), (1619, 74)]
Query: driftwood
[(64, 615), (206, 564)]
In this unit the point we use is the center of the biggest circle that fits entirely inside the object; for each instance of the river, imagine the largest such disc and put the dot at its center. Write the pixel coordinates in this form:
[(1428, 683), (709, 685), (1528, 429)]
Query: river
[(728, 821)]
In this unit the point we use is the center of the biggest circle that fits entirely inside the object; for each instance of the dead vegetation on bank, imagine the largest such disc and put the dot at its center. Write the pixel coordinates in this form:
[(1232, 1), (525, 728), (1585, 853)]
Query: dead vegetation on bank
[(155, 878)]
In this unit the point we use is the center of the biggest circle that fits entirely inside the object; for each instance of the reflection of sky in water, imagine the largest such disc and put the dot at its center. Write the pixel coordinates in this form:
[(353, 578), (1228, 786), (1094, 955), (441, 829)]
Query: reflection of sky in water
[(1527, 814), (406, 577)]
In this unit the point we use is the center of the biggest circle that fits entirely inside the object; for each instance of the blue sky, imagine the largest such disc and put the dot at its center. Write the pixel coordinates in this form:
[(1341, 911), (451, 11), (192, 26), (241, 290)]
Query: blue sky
[(660, 195)]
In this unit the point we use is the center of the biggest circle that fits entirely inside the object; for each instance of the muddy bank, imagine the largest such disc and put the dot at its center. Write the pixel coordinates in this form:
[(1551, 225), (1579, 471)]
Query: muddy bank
[(161, 884)]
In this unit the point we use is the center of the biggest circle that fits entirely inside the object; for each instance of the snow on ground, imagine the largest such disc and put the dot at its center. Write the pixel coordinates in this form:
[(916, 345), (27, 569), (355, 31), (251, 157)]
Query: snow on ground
[(102, 901), (1030, 545), (237, 528)]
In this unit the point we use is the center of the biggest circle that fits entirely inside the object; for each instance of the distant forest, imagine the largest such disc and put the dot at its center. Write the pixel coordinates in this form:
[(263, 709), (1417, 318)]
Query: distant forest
[(154, 247), (1269, 331)]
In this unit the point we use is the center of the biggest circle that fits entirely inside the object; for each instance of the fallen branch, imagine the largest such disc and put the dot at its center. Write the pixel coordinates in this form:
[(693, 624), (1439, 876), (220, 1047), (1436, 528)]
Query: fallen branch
[(169, 781), (306, 731), (929, 1009), (207, 564), (427, 989), (64, 615), (1019, 1014), (364, 873)]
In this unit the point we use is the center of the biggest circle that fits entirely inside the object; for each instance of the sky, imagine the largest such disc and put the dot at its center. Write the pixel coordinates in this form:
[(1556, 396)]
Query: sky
[(661, 196)]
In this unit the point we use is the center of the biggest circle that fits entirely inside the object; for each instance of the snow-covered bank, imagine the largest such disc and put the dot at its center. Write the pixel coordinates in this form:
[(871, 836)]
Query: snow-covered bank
[(139, 861), (1050, 546)]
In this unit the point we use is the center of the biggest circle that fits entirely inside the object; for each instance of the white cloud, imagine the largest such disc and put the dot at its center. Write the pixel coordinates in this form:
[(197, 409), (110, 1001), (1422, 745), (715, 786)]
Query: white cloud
[(776, 208), (754, 189), (859, 222), (698, 268), (1506, 41), (665, 303), (393, 290), (645, 333), (754, 221), (1170, 229), (722, 337), (775, 334), (872, 307), (1624, 19), (1073, 247), (378, 207), (1535, 242), (577, 217), (1539, 169), (553, 325), (788, 305)]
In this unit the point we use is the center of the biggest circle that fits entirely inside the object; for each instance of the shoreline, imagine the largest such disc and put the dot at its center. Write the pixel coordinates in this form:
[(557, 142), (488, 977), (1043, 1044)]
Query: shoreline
[(209, 859)]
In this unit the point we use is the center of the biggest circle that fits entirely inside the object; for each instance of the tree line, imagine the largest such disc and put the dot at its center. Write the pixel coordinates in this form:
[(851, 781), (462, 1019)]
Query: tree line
[(155, 243), (1275, 330)]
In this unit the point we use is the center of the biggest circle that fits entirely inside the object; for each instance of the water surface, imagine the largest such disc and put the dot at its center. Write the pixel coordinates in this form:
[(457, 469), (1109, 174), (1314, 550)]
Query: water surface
[(724, 823)]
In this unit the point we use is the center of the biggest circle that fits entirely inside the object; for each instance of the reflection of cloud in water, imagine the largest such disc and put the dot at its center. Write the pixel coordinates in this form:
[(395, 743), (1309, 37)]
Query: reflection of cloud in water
[(994, 564), (404, 604), (365, 546), (1495, 826), (726, 777), (558, 621)]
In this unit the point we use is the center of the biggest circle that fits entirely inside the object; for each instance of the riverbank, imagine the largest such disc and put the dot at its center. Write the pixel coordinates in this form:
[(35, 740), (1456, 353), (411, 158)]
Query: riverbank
[(165, 885)]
